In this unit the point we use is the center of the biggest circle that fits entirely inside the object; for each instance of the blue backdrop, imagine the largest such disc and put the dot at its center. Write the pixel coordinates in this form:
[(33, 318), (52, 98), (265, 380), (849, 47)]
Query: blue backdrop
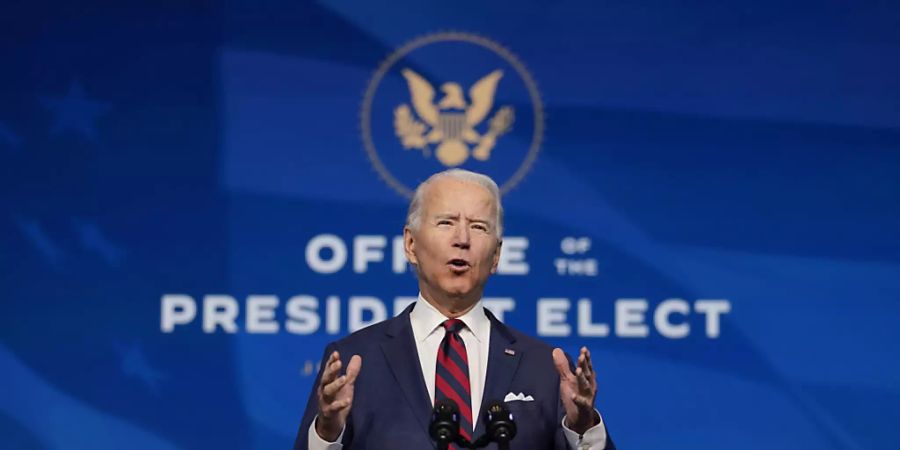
[(198, 196)]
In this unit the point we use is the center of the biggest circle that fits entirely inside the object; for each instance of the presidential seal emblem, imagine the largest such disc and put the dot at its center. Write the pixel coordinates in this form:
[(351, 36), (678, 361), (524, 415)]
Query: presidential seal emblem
[(451, 122), (451, 100)]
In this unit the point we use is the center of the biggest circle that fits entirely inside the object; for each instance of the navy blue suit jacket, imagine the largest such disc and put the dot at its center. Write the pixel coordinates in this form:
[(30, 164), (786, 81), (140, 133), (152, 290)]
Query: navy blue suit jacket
[(391, 406)]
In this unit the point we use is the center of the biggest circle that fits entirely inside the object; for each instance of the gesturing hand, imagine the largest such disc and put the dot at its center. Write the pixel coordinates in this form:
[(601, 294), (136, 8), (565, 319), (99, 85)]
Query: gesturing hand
[(335, 394), (577, 390)]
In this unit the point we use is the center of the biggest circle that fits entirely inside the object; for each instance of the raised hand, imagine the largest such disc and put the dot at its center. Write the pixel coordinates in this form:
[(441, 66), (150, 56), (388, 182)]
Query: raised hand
[(577, 390), (335, 394)]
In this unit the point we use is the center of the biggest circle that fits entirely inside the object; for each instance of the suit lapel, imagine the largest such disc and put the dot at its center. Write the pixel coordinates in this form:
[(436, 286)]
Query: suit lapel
[(403, 359), (501, 366)]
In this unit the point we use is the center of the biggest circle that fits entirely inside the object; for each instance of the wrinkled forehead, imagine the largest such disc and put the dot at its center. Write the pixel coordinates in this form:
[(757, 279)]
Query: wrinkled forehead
[(451, 196)]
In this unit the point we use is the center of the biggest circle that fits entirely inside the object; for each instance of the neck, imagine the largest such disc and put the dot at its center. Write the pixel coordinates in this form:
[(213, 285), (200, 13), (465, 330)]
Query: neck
[(451, 307)]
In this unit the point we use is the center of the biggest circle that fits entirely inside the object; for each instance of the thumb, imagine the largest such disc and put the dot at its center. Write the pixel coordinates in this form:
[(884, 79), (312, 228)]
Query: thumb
[(561, 363), (353, 368)]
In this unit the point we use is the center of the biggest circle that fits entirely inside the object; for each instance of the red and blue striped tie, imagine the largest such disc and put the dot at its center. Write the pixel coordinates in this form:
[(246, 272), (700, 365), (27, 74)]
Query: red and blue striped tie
[(451, 379)]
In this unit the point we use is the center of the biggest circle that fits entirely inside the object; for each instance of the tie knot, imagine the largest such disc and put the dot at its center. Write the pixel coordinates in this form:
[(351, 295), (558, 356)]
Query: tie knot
[(453, 325)]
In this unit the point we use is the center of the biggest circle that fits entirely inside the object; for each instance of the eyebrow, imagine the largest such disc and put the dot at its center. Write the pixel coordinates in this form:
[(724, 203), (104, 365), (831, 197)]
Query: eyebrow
[(456, 217)]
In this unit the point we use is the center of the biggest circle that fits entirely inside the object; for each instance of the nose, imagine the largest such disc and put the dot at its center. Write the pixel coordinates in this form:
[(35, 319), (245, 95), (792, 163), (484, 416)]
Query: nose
[(461, 236)]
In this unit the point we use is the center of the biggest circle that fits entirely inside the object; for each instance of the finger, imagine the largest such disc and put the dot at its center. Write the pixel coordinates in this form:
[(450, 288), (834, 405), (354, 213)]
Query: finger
[(328, 362), (588, 363), (584, 362), (331, 408), (589, 369), (332, 369), (353, 368), (332, 388), (341, 404), (562, 364), (584, 385), (582, 401)]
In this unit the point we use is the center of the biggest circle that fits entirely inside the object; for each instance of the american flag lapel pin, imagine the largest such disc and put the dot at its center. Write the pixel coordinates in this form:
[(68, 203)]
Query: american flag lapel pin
[(509, 352)]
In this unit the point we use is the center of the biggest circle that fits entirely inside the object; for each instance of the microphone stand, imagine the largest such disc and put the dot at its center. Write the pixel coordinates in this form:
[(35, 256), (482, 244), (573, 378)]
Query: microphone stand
[(501, 428)]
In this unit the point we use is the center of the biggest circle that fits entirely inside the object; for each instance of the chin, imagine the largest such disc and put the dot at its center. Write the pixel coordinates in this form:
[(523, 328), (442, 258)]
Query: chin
[(458, 290)]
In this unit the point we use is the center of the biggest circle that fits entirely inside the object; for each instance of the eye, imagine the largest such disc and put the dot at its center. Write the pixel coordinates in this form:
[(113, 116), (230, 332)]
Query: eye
[(480, 227), (444, 222)]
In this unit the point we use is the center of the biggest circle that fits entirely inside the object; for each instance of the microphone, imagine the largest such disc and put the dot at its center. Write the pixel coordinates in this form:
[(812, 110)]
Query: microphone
[(444, 427), (500, 425)]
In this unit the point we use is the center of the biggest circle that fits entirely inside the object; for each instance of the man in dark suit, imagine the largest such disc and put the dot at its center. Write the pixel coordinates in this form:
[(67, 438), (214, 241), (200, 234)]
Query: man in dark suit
[(447, 346)]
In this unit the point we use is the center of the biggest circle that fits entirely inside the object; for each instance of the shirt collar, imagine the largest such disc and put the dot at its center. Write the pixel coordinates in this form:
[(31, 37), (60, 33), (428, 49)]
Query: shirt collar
[(425, 319)]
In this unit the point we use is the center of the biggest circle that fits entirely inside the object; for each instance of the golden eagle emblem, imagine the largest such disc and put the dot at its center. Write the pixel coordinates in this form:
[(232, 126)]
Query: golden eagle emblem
[(450, 123)]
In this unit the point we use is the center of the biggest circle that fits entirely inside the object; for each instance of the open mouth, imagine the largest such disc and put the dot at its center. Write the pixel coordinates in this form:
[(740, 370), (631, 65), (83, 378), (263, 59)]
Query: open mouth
[(458, 264)]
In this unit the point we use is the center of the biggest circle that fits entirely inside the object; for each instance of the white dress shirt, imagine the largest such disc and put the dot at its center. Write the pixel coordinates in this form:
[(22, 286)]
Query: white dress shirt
[(426, 322)]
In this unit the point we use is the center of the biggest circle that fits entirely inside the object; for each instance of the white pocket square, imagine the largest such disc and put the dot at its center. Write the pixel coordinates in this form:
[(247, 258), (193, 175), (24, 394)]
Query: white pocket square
[(520, 397)]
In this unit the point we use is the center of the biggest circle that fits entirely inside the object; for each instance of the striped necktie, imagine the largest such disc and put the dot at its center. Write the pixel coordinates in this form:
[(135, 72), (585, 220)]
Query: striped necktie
[(451, 380)]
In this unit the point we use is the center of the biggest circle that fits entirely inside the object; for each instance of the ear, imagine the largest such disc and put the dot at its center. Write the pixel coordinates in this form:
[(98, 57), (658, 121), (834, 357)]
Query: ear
[(496, 260), (409, 246)]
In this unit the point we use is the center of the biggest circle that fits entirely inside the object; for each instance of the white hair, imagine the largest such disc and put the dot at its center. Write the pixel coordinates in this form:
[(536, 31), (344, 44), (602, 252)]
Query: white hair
[(414, 215)]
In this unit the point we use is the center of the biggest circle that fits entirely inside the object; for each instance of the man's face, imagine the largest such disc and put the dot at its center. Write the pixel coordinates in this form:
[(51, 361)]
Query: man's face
[(455, 247)]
